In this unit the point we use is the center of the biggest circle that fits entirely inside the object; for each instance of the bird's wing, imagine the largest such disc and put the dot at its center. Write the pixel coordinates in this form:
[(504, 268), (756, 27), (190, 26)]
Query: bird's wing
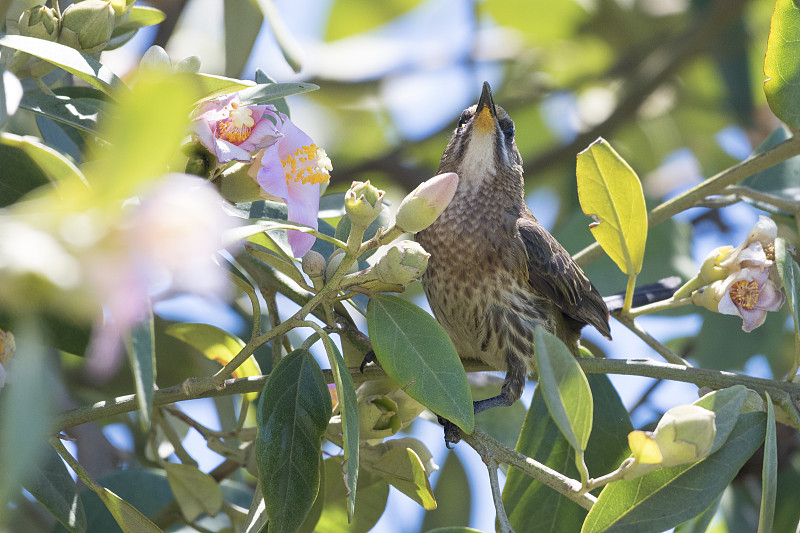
[(552, 272)]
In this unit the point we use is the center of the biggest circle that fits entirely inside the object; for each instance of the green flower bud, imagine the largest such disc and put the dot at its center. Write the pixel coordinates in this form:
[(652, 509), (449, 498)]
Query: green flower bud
[(87, 25), (685, 434), (363, 203), (425, 203), (314, 264), (40, 22), (384, 409), (710, 271), (402, 263), (157, 59), (710, 296)]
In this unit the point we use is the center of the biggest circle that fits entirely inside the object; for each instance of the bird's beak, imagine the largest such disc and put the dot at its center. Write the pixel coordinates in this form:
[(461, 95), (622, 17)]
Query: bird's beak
[(485, 114)]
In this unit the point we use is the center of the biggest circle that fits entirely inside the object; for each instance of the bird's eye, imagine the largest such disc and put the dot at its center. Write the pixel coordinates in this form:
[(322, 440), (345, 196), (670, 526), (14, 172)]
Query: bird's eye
[(508, 131), (462, 121)]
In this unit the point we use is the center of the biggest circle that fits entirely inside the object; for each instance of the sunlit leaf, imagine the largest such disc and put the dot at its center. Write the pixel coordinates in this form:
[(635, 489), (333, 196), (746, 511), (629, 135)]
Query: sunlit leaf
[(419, 356), (453, 501), (403, 468), (80, 107), (268, 93), (782, 85), (81, 65), (293, 413), (53, 163), (359, 16), (218, 345), (789, 272), (371, 498), (196, 492), (129, 518), (666, 497), (609, 190)]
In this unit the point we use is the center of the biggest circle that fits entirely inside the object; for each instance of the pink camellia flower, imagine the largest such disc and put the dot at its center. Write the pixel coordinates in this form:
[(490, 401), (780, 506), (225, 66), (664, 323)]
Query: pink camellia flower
[(750, 294), (232, 131), (292, 170)]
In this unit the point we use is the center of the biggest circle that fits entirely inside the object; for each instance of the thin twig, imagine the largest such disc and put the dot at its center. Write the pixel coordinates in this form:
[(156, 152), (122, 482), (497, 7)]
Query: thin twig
[(663, 351), (502, 518)]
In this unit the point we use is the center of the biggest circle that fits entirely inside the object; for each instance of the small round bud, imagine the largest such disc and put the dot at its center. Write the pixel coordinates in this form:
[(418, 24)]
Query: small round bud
[(40, 22), (710, 271), (156, 59), (87, 25), (363, 203), (402, 263), (685, 434), (710, 296), (313, 264), (425, 203)]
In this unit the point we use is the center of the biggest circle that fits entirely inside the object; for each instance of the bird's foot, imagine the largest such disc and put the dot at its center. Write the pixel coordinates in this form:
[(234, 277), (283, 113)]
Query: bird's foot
[(452, 433), (369, 357)]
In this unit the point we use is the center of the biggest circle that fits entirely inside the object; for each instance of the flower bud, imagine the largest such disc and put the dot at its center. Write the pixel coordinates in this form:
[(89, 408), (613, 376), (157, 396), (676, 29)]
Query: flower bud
[(40, 22), (87, 25), (402, 263), (314, 264), (363, 203), (711, 271), (156, 59), (425, 203), (710, 296), (685, 434), (384, 409)]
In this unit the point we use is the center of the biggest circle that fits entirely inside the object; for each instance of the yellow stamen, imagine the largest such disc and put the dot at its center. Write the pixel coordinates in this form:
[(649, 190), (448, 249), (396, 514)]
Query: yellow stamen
[(745, 294), (237, 127), (308, 165)]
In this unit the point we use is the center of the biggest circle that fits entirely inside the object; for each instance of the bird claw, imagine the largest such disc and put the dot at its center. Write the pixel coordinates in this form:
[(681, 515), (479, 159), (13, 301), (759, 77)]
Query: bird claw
[(369, 357), (452, 433)]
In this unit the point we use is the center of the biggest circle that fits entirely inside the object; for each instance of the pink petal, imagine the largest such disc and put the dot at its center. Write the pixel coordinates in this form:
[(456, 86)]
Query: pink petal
[(771, 298), (264, 134), (270, 176), (303, 204), (752, 318), (293, 138), (226, 151)]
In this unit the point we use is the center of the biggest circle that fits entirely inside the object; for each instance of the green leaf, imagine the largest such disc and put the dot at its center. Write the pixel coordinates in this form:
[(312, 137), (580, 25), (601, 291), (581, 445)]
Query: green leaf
[(565, 388), (196, 492), (278, 260), (79, 64), (419, 356), (293, 413), (348, 407), (54, 164), (453, 500), (210, 85), (217, 345), (726, 404), (373, 492), (280, 104), (533, 506), (666, 497), (609, 190), (699, 524), (782, 85), (352, 17), (51, 484), (142, 353), (138, 17), (269, 92), (21, 174), (243, 22), (782, 179), (790, 277), (82, 112), (130, 520), (403, 468), (769, 473)]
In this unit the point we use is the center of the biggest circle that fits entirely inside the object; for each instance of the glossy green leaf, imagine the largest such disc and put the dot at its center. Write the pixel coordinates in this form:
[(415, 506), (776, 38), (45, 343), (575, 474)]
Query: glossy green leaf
[(54, 164), (278, 260), (769, 473), (371, 497), (280, 104), (726, 404), (81, 65), (781, 180), (139, 17), (196, 492), (51, 484), (358, 16), (21, 174), (218, 345), (789, 272), (782, 85), (129, 518), (700, 523), (453, 501), (293, 413), (609, 191), (142, 356), (565, 388), (267, 93), (419, 356), (348, 408), (83, 113), (666, 497), (532, 506), (211, 85)]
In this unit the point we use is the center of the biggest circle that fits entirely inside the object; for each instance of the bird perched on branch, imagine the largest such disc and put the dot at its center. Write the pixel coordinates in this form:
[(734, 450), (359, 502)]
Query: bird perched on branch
[(495, 272)]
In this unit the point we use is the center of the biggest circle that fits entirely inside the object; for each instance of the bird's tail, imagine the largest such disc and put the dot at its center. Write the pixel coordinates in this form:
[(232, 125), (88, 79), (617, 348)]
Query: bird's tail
[(646, 294)]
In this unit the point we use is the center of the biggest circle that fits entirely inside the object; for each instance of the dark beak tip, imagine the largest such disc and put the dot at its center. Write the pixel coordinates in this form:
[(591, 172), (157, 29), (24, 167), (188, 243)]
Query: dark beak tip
[(486, 99)]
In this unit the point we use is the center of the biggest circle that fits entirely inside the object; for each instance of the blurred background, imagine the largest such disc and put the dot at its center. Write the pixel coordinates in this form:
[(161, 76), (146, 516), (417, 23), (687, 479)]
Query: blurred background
[(674, 85)]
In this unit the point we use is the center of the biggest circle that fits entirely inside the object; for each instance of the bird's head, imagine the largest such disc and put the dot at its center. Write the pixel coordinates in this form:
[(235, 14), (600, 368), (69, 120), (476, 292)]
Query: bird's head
[(482, 146)]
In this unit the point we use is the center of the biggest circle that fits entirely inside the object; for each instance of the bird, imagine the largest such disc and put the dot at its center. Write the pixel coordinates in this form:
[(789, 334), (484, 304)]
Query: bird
[(494, 272)]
